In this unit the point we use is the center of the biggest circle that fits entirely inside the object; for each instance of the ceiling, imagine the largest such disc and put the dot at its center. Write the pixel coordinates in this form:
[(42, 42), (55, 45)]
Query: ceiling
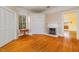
[(37, 9), (47, 9)]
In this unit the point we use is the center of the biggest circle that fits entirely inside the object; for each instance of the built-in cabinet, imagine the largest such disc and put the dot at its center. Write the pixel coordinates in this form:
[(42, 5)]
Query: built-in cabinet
[(7, 26)]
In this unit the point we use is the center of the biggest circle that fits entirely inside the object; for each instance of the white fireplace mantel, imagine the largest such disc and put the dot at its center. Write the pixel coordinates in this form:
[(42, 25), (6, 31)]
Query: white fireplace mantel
[(52, 25)]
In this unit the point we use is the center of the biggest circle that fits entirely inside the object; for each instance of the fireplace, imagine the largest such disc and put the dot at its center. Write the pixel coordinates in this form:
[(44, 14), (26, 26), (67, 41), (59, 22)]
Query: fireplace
[(52, 31)]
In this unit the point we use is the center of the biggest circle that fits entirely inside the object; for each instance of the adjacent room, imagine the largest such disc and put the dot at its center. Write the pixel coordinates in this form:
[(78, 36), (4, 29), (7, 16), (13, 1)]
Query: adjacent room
[(39, 29)]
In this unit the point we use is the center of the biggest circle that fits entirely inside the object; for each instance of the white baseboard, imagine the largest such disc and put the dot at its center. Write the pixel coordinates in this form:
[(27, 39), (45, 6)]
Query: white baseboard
[(16, 38), (30, 34)]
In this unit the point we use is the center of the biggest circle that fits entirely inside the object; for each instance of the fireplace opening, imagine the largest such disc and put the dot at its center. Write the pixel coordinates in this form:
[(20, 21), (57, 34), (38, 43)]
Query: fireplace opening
[(52, 31)]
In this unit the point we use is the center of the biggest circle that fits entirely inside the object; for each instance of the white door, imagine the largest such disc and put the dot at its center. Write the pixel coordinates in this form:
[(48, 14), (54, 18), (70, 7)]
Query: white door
[(37, 24), (7, 26)]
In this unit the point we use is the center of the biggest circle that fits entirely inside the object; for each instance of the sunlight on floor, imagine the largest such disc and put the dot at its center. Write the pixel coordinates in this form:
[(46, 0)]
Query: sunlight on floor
[(66, 34)]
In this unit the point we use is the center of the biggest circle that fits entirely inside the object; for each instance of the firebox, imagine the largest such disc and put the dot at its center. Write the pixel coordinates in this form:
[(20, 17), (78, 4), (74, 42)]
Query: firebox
[(52, 31)]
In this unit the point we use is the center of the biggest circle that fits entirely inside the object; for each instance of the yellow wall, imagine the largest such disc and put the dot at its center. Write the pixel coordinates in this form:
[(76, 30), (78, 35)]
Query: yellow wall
[(72, 20)]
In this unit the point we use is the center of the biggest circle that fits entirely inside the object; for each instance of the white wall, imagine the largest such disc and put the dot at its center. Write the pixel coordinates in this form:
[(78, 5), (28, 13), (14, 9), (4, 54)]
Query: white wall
[(55, 19), (60, 23), (37, 24)]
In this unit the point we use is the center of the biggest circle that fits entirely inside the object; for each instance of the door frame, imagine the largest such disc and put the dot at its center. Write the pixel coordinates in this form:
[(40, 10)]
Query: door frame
[(76, 11)]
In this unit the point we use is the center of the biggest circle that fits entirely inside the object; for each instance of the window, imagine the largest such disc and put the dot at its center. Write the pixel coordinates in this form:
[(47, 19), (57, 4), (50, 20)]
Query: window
[(22, 22)]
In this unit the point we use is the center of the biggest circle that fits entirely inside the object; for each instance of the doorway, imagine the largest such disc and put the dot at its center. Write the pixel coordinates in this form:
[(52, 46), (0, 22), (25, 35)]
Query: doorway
[(70, 25)]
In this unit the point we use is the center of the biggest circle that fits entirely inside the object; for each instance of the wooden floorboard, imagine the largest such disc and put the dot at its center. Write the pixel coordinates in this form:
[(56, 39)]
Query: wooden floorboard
[(41, 43)]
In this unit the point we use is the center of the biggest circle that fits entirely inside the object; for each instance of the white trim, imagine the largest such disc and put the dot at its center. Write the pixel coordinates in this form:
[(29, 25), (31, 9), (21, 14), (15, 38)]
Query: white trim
[(77, 24), (30, 34), (16, 35), (7, 9)]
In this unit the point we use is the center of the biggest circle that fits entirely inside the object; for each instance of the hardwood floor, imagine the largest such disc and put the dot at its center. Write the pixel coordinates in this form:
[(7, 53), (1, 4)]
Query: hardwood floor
[(73, 34), (41, 43)]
